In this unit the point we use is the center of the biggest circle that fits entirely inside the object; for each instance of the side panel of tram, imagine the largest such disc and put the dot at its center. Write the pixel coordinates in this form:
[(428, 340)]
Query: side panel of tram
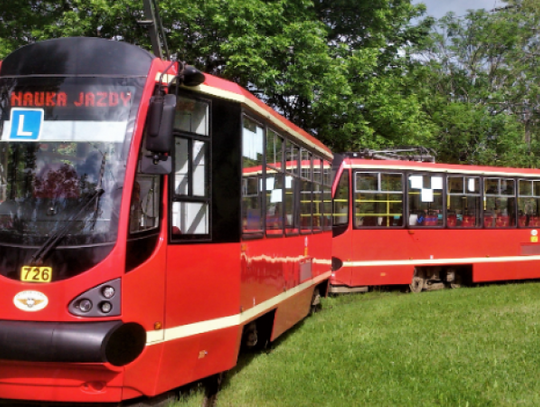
[(234, 257), (441, 224), (152, 288)]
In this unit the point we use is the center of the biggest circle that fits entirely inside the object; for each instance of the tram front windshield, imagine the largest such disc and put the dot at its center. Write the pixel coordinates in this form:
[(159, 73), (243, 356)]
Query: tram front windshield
[(63, 152)]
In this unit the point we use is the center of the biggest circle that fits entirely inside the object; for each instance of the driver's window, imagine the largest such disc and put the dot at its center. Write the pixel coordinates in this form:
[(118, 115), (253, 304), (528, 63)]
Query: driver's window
[(144, 207)]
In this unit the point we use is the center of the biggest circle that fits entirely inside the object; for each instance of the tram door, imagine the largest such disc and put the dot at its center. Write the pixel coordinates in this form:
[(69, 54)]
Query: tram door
[(342, 226)]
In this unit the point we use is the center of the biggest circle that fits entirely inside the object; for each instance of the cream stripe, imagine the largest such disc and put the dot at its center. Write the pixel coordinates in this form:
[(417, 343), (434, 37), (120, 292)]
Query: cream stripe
[(209, 90), (183, 331), (465, 260), (167, 78), (442, 169), (235, 97)]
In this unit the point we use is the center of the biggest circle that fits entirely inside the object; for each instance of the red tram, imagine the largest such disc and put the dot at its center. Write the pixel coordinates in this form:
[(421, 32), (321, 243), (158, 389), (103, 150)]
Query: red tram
[(432, 225), (152, 219)]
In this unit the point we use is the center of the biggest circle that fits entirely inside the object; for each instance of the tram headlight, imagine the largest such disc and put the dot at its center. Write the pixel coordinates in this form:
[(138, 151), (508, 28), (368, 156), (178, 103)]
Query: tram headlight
[(108, 292), (103, 300), (85, 305), (106, 307)]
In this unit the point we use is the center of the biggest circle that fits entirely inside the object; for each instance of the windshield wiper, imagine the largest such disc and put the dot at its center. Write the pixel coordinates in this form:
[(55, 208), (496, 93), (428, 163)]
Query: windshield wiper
[(49, 244)]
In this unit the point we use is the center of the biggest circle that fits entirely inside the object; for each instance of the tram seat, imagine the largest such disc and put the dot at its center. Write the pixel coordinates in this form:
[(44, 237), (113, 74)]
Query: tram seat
[(502, 221), (488, 221), (176, 230), (468, 221), (522, 220), (430, 221), (369, 221), (451, 221), (534, 221)]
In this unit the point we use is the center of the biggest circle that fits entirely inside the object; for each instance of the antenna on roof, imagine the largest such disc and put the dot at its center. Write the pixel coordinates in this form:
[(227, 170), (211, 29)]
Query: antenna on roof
[(421, 154), (155, 28)]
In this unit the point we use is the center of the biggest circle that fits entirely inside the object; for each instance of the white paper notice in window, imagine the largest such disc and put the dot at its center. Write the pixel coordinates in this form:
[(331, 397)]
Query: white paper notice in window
[(471, 185), (276, 196), (416, 181), (427, 195), (436, 182)]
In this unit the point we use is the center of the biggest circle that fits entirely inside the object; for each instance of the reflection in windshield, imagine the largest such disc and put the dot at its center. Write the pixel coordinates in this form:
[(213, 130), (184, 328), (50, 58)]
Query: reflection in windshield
[(43, 185)]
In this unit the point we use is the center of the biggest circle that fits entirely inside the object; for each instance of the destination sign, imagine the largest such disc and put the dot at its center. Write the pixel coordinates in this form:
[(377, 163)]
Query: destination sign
[(78, 99), (68, 109)]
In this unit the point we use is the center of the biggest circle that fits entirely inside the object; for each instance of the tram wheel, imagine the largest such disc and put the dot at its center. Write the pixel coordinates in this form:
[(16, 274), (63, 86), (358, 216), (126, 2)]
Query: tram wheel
[(417, 284), (212, 385), (456, 283), (315, 301), (251, 335)]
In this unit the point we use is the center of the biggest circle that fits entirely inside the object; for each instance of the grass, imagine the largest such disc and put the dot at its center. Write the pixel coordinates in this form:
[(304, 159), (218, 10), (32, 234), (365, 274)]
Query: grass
[(468, 347)]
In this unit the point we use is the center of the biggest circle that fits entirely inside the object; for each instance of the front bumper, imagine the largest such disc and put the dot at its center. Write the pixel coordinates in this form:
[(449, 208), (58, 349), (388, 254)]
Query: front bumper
[(113, 342)]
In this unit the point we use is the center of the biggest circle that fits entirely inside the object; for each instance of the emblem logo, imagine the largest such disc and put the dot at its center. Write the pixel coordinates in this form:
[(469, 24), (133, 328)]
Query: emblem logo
[(30, 301)]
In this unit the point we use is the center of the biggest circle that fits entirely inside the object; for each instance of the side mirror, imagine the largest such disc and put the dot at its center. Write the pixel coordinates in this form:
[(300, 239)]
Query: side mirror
[(160, 124), (159, 135)]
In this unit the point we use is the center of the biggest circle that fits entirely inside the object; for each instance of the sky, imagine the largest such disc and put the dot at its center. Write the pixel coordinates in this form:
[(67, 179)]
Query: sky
[(438, 8)]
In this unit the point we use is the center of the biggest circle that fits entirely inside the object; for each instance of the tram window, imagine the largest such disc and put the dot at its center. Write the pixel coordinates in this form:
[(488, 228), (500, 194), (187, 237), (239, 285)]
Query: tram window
[(378, 200), (306, 217), (291, 187), (274, 202), (499, 203), (191, 198), (190, 218), (292, 153), (528, 203), (275, 180), (274, 151), (318, 195), (463, 202), (191, 116), (190, 171), (252, 187), (425, 198), (341, 201), (317, 170), (327, 196), (144, 208), (181, 175), (291, 220), (199, 170)]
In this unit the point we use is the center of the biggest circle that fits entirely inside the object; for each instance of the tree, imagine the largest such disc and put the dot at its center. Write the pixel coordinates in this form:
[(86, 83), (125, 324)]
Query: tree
[(479, 85), (334, 68)]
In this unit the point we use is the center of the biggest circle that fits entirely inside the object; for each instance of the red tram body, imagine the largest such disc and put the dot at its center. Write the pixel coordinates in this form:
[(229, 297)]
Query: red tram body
[(433, 225), (128, 268)]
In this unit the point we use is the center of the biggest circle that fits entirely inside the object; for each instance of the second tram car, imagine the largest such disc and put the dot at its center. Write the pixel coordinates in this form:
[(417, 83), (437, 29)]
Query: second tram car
[(152, 220), (432, 225)]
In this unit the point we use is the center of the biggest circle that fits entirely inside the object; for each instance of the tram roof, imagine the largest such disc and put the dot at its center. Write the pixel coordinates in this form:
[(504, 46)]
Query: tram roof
[(225, 89), (439, 167)]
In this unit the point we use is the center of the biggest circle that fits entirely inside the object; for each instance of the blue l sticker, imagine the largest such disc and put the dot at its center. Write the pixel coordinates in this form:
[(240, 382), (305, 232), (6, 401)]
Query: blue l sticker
[(26, 124)]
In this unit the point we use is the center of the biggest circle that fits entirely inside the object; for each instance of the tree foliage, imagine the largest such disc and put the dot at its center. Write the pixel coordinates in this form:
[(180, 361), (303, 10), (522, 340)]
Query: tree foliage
[(332, 67), (479, 80), (355, 74)]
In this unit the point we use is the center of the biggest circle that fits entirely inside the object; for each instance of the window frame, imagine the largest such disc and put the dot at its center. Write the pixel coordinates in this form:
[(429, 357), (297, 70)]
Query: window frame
[(443, 192), (498, 195), (530, 220), (356, 191), (464, 193), (190, 198)]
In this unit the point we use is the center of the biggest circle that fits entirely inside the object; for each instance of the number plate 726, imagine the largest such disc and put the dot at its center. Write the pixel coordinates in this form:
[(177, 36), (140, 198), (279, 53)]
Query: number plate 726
[(33, 274)]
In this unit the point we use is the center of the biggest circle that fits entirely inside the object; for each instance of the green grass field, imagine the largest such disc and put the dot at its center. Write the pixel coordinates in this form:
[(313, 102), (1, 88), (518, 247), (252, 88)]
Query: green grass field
[(468, 347)]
